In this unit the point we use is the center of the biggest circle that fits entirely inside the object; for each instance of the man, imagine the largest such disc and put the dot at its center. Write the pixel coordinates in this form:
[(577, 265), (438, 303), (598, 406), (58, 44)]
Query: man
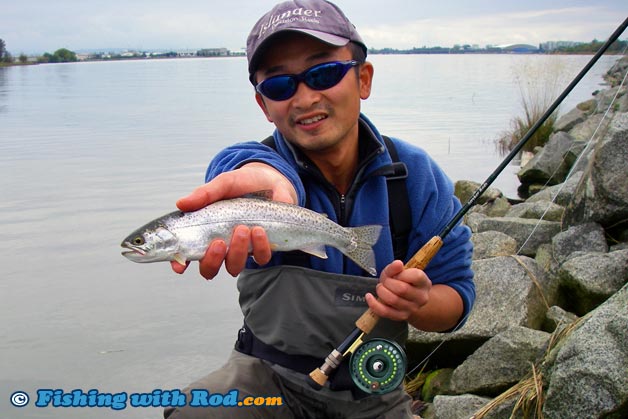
[(307, 63)]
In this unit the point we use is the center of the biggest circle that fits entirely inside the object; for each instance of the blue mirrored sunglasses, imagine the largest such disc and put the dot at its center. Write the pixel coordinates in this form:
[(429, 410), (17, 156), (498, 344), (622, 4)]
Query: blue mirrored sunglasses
[(320, 77)]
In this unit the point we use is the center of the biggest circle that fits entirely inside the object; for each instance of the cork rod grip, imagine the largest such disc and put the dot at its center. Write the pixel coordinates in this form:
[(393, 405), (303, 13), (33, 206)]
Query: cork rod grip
[(368, 320)]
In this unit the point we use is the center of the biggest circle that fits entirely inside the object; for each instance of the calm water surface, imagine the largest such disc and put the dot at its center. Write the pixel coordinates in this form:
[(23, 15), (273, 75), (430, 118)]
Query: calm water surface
[(90, 151)]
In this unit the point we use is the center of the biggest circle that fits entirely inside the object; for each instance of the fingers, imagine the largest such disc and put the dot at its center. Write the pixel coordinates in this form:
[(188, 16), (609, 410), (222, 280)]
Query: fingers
[(250, 178), (262, 251), (177, 267), (400, 293), (238, 250), (212, 261), (236, 254), (219, 188)]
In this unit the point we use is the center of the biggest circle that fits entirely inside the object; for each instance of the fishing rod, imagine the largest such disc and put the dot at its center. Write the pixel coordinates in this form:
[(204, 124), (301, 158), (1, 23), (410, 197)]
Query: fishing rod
[(377, 368)]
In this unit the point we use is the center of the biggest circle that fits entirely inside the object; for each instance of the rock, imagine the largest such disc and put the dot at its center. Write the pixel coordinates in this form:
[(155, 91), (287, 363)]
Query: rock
[(603, 197), (589, 280), (529, 234), (570, 119), (497, 208), (588, 106), (511, 291), (559, 194), (549, 165), (558, 318), (491, 244), (473, 219), (616, 73), (587, 237), (537, 210), (584, 131), (545, 258), (587, 373), (457, 407), (606, 98), (573, 158), (464, 189), (500, 363)]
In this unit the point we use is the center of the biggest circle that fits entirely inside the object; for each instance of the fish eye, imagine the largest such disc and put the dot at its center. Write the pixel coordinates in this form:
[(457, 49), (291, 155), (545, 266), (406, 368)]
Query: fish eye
[(138, 241)]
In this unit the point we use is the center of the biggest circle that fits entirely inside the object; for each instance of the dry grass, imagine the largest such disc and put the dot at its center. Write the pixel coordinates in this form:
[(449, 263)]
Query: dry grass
[(540, 82)]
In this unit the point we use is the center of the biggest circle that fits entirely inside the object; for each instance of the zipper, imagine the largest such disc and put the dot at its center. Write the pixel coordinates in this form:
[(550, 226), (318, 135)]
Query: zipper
[(343, 203)]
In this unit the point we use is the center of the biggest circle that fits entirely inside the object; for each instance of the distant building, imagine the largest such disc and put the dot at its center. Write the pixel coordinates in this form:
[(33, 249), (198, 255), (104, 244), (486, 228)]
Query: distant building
[(554, 45), (213, 52)]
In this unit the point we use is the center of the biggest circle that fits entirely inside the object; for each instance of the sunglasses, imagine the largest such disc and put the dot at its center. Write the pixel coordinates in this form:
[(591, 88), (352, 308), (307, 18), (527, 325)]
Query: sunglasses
[(320, 77)]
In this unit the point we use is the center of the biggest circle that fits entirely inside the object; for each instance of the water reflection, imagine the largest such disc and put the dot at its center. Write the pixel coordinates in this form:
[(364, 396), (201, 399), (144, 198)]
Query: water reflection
[(4, 90)]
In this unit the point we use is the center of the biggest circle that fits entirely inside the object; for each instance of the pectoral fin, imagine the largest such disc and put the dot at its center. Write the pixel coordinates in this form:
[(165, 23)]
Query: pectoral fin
[(179, 258)]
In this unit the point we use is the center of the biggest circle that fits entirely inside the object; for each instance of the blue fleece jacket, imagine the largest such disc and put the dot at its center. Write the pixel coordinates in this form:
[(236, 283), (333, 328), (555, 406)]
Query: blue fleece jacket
[(430, 195)]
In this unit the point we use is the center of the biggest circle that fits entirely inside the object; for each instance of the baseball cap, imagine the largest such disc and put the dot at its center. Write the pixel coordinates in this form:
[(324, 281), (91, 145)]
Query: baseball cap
[(318, 18)]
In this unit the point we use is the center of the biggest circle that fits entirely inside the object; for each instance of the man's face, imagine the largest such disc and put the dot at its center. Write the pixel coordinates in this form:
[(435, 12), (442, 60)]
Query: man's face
[(317, 121)]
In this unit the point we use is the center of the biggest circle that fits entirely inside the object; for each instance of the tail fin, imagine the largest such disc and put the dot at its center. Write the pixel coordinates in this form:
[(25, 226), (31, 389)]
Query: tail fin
[(361, 248)]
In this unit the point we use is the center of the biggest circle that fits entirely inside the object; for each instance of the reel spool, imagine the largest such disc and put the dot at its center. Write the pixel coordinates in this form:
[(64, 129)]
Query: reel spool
[(378, 366)]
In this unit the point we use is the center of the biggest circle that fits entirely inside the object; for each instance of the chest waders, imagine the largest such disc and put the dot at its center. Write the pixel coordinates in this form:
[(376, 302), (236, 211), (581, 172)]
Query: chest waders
[(293, 315)]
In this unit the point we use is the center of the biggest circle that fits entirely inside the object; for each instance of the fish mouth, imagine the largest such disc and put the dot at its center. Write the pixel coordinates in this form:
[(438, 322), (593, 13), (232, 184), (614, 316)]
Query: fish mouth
[(130, 250)]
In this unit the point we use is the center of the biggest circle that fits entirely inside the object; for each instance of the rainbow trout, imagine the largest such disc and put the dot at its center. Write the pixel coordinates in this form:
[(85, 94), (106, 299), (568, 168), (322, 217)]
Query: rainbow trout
[(183, 236)]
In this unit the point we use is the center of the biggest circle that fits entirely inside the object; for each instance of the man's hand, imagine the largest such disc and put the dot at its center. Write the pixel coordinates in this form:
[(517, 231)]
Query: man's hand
[(408, 295), (250, 178)]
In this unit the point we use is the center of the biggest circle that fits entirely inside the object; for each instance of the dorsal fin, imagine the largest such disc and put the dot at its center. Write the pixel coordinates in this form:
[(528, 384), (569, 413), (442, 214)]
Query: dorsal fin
[(266, 195)]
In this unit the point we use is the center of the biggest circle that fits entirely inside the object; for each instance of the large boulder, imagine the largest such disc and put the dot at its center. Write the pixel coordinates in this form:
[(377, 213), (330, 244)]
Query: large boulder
[(457, 407), (588, 371), (549, 166), (570, 119), (528, 233), (537, 210), (587, 237), (561, 194), (511, 291), (490, 244), (588, 280), (464, 190), (500, 363), (603, 197)]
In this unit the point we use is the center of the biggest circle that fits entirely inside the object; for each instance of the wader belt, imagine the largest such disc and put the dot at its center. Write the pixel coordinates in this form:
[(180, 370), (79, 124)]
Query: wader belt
[(248, 344)]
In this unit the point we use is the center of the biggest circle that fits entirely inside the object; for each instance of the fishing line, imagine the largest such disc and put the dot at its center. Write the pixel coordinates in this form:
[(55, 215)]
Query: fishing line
[(553, 199)]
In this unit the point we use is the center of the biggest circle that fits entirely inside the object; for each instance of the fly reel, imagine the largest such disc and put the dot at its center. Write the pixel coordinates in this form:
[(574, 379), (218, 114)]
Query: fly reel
[(378, 366)]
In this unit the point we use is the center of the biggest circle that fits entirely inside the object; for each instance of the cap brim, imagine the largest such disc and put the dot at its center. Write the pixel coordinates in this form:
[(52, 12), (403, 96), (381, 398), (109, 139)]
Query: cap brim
[(335, 40)]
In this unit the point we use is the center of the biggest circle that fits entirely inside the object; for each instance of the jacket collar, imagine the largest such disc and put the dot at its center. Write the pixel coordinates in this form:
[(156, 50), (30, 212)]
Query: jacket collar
[(372, 150)]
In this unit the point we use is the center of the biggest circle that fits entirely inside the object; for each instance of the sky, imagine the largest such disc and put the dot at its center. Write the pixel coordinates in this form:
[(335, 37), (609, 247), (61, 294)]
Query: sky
[(37, 26)]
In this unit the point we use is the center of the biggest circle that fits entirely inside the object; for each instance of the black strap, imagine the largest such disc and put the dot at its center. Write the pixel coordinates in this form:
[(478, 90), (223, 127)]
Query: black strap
[(400, 215), (270, 142)]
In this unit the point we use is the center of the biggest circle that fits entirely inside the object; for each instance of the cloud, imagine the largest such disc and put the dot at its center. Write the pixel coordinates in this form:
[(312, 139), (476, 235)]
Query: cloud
[(38, 25), (531, 27)]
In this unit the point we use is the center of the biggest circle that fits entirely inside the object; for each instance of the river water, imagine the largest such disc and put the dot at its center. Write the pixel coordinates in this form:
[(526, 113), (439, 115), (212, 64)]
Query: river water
[(90, 151)]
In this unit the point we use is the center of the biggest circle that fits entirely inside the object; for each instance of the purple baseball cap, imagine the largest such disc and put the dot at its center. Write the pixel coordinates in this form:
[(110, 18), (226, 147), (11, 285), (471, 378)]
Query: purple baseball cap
[(318, 18)]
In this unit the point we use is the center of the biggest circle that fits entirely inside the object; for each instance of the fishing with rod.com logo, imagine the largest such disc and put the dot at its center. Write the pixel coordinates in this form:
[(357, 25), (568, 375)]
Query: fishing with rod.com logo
[(93, 398)]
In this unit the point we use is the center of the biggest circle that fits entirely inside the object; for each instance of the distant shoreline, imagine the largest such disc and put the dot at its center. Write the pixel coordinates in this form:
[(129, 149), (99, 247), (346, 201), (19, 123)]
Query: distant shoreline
[(142, 58)]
